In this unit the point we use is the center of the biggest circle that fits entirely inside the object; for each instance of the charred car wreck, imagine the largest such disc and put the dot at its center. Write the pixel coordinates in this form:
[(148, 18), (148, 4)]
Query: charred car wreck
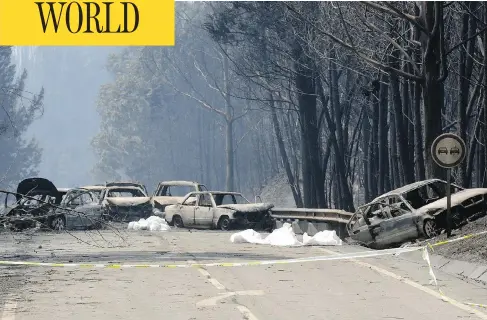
[(32, 203), (417, 210), (125, 203), (219, 210), (173, 192)]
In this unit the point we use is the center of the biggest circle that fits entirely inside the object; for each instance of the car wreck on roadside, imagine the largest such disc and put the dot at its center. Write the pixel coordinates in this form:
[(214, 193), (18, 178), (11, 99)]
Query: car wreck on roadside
[(31, 204), (414, 211), (79, 209), (219, 210), (173, 192), (125, 203)]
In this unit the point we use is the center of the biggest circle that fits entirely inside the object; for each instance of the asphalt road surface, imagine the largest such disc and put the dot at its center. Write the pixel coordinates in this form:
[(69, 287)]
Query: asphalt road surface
[(388, 287)]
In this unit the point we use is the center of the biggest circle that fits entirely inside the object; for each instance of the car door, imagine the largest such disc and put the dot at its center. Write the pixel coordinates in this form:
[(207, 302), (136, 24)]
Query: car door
[(399, 226), (186, 210), (90, 210), (359, 230), (71, 212), (364, 226), (203, 212)]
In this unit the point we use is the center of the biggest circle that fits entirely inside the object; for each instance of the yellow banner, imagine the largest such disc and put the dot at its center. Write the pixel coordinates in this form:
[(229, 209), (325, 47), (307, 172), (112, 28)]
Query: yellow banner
[(87, 23)]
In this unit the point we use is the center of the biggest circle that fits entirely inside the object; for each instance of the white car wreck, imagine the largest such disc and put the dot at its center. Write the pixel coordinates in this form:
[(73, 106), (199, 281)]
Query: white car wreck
[(417, 210), (219, 210), (173, 192)]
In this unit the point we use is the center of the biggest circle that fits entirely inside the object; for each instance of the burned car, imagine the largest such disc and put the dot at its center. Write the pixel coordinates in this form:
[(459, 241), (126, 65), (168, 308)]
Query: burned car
[(127, 184), (417, 210), (220, 210), (31, 204), (79, 209), (172, 192), (96, 189), (125, 203)]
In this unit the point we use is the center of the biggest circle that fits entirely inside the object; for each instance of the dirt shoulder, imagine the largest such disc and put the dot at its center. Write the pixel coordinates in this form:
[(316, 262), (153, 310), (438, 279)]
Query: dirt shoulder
[(472, 250)]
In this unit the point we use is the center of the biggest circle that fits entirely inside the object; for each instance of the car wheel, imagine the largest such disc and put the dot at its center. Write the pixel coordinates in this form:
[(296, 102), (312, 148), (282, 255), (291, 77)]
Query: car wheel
[(224, 223), (58, 224), (177, 221), (429, 228)]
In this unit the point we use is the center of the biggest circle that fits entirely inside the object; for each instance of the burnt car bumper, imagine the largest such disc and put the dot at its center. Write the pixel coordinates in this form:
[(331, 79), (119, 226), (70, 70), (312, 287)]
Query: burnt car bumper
[(128, 213)]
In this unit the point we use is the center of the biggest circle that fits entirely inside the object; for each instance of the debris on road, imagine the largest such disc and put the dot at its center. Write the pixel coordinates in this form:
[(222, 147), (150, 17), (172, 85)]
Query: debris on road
[(153, 223), (285, 236)]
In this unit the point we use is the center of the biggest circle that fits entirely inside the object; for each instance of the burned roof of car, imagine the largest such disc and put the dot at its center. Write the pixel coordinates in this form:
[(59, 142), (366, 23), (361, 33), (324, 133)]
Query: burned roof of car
[(408, 187), (93, 187), (217, 192), (179, 183)]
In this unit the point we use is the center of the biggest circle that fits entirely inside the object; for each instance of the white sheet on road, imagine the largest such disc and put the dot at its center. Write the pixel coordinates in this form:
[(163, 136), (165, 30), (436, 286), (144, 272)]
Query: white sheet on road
[(153, 223), (285, 236)]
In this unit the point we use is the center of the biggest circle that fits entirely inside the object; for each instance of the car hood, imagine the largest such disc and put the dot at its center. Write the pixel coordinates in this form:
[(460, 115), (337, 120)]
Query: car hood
[(127, 201), (251, 207), (167, 200), (456, 199), (35, 186)]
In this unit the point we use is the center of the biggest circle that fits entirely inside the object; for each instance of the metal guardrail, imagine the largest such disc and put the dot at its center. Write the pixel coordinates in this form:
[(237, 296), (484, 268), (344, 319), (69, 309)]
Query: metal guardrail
[(318, 215)]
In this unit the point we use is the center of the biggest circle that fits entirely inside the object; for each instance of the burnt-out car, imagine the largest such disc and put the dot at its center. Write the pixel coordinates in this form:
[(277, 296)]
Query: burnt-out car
[(125, 203), (127, 184), (220, 210), (79, 209), (173, 192), (31, 204), (417, 210)]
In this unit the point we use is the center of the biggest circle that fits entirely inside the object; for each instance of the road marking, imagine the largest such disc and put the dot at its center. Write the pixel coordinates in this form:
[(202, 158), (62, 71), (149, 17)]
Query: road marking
[(213, 300), (213, 281), (416, 285), (248, 315), (9, 310)]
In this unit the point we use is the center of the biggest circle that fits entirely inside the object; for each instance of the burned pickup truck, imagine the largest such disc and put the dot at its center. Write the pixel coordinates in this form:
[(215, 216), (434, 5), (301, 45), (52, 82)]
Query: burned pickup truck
[(417, 210), (220, 210)]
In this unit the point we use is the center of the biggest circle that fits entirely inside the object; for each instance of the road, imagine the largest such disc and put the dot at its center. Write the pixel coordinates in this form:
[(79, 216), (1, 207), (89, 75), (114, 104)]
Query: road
[(387, 287)]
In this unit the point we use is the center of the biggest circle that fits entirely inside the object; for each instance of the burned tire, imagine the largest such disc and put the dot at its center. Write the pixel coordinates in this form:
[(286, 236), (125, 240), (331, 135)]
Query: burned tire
[(429, 228), (58, 223), (224, 223), (177, 221)]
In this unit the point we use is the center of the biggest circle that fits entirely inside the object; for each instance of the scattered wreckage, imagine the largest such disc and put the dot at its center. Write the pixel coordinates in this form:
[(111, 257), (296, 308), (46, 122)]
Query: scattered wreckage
[(219, 210), (38, 202), (31, 204), (417, 210), (173, 192)]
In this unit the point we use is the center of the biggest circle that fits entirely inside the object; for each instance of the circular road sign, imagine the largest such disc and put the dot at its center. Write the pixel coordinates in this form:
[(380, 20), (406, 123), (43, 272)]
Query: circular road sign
[(448, 150)]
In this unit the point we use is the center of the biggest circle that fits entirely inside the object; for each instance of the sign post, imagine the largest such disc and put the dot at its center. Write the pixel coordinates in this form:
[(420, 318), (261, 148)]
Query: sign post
[(448, 151)]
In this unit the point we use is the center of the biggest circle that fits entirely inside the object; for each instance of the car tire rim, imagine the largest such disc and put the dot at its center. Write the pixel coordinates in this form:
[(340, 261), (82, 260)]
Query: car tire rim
[(178, 222), (430, 228), (225, 224), (58, 224)]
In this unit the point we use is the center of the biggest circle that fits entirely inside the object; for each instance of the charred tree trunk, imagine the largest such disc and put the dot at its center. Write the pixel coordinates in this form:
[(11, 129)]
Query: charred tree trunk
[(310, 149), (374, 145), (285, 160), (384, 183), (366, 153), (401, 127), (484, 102), (433, 87), (229, 148)]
